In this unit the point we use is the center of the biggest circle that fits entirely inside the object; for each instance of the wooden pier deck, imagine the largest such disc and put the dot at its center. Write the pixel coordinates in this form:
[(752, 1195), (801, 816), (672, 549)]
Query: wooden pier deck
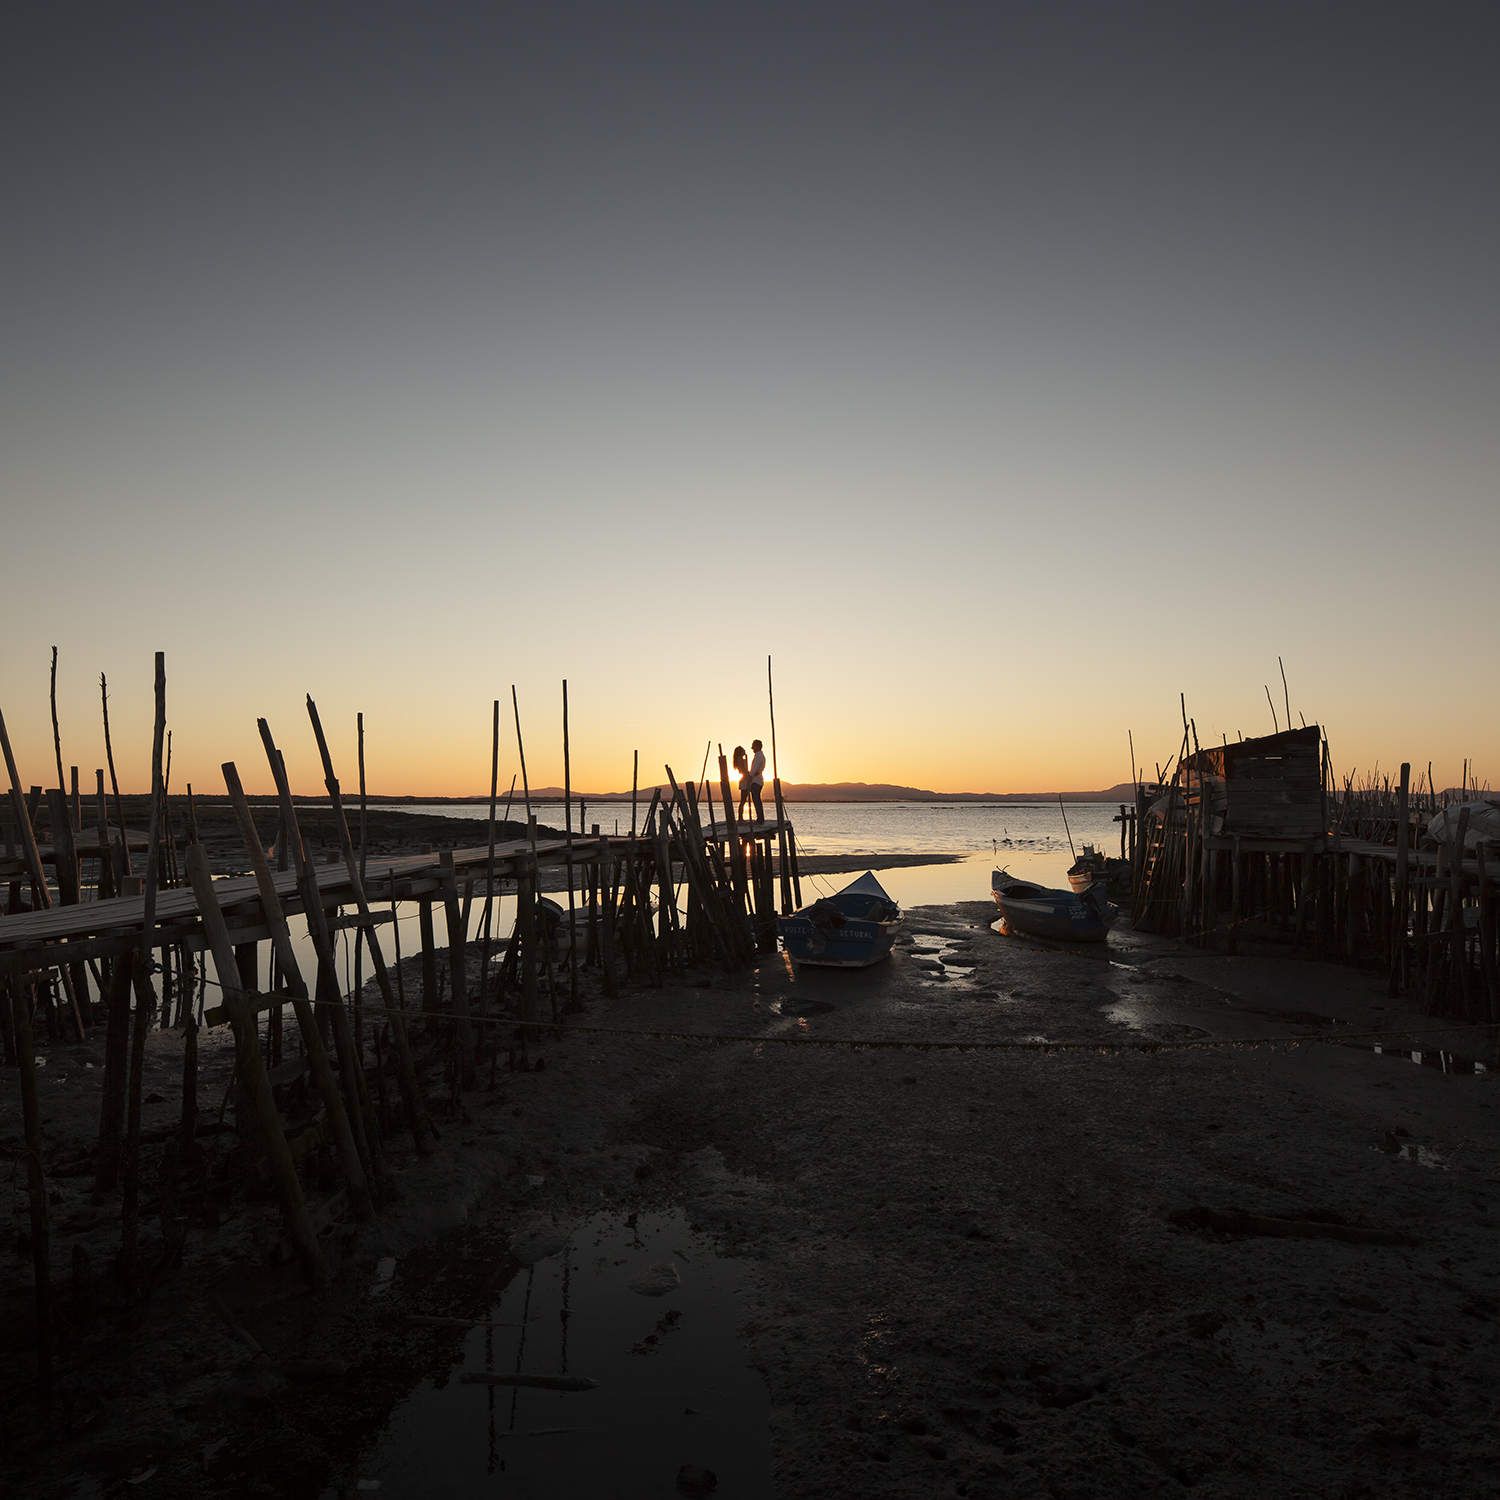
[(104, 928)]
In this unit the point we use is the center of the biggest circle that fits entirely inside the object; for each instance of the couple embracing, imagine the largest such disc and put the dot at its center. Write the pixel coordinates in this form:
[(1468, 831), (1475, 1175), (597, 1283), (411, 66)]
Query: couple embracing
[(752, 778)]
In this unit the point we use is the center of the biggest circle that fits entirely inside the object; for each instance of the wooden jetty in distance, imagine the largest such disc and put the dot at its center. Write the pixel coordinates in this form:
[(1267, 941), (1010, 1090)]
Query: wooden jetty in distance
[(692, 887), (1258, 831)]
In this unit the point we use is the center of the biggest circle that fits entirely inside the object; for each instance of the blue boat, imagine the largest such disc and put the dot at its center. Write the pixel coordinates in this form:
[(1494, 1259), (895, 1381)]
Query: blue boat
[(1082, 917), (851, 929)]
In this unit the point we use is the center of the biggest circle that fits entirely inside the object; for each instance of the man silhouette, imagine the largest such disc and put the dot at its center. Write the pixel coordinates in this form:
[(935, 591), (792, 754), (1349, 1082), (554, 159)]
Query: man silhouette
[(757, 778)]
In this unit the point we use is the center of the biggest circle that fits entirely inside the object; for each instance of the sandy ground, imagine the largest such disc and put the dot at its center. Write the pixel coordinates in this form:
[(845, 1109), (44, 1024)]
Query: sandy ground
[(976, 1273)]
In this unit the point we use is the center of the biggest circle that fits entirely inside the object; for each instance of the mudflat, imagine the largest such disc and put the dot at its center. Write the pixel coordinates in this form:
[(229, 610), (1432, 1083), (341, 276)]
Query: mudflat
[(1134, 1266)]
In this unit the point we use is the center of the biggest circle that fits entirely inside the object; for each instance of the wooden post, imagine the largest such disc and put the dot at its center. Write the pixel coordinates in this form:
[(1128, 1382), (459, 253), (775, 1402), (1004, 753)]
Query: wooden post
[(116, 1074), (187, 1128), (526, 933), (27, 831), (69, 890), (1397, 975), (416, 1109), (783, 864), (489, 863), (573, 1004), (607, 918), (252, 1069), (145, 995), (458, 962), (41, 1261), (1233, 946), (363, 1121), (732, 850), (1487, 965), (429, 954), (104, 885), (1457, 945), (291, 974)]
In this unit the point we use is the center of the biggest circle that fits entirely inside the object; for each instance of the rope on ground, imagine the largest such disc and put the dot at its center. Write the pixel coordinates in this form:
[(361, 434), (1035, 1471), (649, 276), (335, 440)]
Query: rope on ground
[(1335, 1038)]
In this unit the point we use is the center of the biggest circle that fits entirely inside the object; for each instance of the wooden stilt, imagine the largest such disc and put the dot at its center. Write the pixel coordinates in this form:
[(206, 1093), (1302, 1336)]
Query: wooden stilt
[(116, 1074), (458, 965), (36, 1185), (416, 1107), (429, 956), (271, 1136), (312, 1038), (363, 1122)]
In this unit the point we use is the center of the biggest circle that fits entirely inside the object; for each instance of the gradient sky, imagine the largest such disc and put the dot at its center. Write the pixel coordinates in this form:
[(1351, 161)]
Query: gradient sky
[(1003, 371)]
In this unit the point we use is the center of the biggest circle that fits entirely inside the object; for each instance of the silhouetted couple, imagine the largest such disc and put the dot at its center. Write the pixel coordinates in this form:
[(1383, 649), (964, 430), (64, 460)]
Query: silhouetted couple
[(752, 778)]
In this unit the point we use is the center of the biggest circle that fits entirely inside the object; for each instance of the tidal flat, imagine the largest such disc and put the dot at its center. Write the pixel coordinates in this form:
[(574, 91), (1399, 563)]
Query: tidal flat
[(979, 1273)]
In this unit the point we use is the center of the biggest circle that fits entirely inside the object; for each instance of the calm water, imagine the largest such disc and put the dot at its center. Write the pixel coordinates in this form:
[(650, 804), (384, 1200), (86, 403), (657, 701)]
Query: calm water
[(1029, 838), (882, 827), (675, 1383)]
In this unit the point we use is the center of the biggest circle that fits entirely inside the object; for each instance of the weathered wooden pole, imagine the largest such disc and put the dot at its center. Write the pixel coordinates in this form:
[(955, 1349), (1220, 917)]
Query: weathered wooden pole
[(733, 852), (416, 1109), (116, 1074), (252, 1070), (25, 820), (145, 995), (291, 974), (36, 1183), (429, 952), (521, 750), (489, 862), (1397, 974), (362, 1118), (458, 966), (69, 890), (573, 1004)]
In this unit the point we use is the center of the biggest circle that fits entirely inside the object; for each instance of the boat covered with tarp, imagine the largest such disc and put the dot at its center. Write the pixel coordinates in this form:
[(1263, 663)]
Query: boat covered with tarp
[(1073, 916), (851, 929)]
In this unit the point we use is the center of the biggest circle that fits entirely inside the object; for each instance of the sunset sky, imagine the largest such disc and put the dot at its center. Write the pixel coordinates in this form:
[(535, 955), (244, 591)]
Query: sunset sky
[(1003, 371)]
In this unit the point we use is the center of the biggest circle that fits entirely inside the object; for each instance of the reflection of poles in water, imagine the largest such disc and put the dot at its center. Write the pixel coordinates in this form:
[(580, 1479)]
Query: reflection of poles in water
[(489, 1364), (521, 1344), (1066, 829)]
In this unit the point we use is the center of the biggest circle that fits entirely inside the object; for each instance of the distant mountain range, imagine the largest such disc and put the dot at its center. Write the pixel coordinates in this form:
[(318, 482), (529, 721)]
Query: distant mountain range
[(812, 791)]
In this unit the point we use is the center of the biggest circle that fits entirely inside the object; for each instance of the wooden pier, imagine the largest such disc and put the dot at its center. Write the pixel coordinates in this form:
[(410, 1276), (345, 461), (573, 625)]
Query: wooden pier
[(690, 888), (1257, 833)]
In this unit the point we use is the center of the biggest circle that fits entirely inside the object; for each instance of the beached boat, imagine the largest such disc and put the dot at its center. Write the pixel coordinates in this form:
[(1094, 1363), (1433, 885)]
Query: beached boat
[(1093, 864), (851, 929), (1075, 917)]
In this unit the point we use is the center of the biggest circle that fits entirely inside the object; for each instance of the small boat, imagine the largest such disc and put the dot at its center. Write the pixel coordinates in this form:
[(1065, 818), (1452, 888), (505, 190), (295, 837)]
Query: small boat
[(851, 929), (1093, 864), (1081, 917)]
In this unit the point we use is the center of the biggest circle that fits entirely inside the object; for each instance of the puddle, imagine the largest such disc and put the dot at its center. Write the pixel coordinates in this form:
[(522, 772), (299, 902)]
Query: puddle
[(1297, 1017), (942, 958), (1445, 1062), (674, 1382), (793, 1006), (1424, 1156)]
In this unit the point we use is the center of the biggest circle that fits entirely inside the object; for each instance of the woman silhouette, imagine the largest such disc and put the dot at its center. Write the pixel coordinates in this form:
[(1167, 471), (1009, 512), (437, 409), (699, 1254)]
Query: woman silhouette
[(742, 765)]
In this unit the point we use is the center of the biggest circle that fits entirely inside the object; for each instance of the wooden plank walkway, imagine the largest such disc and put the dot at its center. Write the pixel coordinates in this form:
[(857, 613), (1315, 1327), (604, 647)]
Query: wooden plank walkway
[(95, 929)]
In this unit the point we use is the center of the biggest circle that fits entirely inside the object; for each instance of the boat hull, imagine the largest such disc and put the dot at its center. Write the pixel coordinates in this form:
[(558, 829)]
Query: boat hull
[(852, 929), (1061, 915), (856, 945)]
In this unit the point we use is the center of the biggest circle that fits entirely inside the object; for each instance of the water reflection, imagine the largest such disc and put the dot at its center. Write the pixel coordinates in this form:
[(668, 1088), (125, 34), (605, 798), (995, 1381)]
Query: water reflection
[(674, 1382)]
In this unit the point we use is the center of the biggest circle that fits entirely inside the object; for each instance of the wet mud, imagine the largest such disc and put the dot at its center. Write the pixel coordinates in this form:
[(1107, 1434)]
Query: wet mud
[(977, 1273)]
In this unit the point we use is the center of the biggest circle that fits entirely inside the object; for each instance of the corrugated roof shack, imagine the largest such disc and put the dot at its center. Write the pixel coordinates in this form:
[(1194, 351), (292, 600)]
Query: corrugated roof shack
[(1261, 802)]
